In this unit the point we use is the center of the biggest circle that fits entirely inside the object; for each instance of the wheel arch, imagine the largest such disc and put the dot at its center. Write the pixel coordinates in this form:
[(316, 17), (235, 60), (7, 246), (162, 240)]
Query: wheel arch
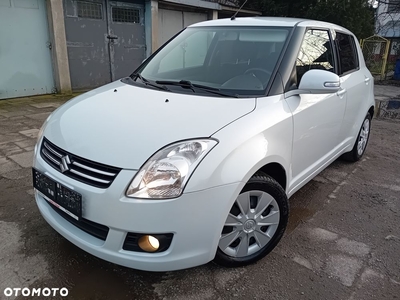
[(371, 111), (277, 172)]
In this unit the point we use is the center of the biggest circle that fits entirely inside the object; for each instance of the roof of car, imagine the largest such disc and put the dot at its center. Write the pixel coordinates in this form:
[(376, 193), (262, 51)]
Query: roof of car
[(268, 21)]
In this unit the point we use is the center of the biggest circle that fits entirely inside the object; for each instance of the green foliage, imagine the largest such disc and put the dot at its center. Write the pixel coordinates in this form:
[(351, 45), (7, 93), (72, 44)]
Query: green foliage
[(355, 15)]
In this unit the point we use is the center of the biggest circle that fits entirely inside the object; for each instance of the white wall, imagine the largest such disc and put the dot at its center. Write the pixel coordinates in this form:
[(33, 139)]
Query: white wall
[(387, 22)]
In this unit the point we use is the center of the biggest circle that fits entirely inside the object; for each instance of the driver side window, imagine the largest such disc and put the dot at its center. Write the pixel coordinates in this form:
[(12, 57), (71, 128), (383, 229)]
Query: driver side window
[(315, 53)]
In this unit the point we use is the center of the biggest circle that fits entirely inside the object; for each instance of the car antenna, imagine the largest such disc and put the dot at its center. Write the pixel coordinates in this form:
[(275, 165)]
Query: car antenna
[(234, 16)]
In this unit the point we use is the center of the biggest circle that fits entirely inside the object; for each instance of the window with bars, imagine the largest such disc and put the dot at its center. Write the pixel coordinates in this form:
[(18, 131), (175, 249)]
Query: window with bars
[(125, 15), (89, 10), (394, 6)]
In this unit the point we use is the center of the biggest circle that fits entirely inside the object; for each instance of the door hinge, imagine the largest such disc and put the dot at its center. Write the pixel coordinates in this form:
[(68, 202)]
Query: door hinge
[(112, 37), (49, 45)]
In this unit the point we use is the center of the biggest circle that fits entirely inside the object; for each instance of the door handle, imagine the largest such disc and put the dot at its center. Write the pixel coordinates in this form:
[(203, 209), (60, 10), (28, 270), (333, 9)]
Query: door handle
[(366, 80), (341, 93), (112, 37)]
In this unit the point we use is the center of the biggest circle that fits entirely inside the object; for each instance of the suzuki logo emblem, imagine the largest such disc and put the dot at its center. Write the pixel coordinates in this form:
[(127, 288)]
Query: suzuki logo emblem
[(65, 162)]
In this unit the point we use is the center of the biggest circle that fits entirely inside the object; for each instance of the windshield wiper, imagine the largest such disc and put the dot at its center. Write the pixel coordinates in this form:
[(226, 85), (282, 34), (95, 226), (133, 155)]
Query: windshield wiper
[(182, 83), (135, 76), (192, 86)]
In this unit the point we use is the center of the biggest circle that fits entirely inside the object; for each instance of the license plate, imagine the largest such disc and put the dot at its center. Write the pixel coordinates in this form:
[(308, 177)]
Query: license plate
[(58, 195)]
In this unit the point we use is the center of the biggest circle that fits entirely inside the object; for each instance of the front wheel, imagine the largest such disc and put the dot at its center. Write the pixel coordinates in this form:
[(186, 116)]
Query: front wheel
[(255, 223), (361, 142)]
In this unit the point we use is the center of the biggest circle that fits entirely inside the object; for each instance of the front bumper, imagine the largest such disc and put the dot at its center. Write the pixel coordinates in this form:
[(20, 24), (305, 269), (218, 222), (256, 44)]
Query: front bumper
[(195, 219)]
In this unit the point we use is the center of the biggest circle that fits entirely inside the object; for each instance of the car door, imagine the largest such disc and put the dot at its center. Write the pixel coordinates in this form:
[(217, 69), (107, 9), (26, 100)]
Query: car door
[(317, 118), (357, 82)]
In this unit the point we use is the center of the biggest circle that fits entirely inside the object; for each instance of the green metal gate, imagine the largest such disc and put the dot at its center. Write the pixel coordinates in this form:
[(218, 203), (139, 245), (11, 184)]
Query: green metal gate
[(25, 55)]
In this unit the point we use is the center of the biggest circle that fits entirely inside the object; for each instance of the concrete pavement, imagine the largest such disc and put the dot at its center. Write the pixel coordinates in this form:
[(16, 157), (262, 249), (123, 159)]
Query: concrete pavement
[(387, 99)]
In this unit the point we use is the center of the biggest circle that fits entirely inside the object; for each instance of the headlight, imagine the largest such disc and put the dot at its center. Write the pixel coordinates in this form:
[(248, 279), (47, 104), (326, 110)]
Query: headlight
[(165, 174)]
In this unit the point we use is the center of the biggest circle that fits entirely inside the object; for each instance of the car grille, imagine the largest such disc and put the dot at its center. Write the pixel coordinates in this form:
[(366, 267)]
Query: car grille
[(97, 230), (78, 168)]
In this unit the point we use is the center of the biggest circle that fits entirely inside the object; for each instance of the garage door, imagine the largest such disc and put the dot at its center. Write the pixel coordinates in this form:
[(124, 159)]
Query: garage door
[(105, 40), (171, 22), (25, 57)]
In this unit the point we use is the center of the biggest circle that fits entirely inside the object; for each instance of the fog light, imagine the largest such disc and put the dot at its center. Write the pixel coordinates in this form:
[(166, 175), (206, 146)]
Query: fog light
[(149, 243)]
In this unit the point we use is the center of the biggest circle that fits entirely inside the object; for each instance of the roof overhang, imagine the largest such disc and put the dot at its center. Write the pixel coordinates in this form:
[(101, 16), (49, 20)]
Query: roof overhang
[(196, 3), (211, 6), (242, 11)]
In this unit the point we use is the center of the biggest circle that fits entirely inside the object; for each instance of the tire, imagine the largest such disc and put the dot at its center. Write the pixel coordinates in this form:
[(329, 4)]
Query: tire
[(251, 232), (362, 141)]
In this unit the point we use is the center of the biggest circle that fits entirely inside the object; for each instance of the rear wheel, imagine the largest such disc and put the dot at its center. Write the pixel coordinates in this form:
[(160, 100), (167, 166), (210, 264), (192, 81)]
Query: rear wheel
[(255, 223), (361, 143)]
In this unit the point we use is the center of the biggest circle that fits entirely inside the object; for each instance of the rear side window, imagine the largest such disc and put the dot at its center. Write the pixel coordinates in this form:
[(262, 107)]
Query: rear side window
[(348, 58)]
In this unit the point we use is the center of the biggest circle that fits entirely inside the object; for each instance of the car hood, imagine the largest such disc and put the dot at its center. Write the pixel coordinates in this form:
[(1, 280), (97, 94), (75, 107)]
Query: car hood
[(123, 125)]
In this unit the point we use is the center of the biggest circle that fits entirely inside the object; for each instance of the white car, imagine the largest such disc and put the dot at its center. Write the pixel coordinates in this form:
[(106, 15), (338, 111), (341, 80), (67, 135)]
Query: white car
[(193, 157)]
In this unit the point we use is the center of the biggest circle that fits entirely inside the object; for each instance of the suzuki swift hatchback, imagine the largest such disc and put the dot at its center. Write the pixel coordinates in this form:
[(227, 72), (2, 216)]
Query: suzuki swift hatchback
[(193, 157)]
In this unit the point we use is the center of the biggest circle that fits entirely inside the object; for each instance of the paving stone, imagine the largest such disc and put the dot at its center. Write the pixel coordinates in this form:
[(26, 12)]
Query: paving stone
[(11, 125), (302, 261), (45, 104), (40, 116), (334, 175), (19, 101), (352, 247), (29, 149), (31, 133), (48, 98), (24, 159), (322, 234), (17, 174), (320, 179), (6, 106), (344, 268), (11, 151), (12, 137), (17, 106), (31, 121), (26, 143), (17, 118), (16, 113), (5, 146), (8, 167)]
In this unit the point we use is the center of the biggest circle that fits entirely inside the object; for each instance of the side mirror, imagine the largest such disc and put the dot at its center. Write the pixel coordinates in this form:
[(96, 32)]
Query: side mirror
[(317, 82), (320, 82)]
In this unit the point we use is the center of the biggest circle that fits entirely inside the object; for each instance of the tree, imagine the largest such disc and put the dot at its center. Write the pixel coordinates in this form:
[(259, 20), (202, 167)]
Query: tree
[(355, 15)]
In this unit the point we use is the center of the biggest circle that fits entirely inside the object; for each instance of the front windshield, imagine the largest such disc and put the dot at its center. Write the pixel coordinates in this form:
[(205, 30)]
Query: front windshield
[(239, 60)]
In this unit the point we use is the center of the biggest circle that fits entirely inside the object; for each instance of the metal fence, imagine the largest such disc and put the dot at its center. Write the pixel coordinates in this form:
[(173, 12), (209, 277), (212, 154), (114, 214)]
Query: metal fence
[(375, 50)]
